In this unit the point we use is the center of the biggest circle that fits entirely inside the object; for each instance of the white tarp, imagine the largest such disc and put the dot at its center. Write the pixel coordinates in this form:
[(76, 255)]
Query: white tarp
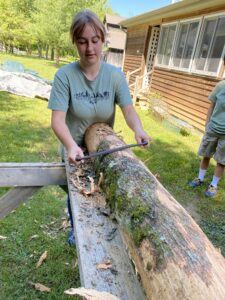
[(24, 84)]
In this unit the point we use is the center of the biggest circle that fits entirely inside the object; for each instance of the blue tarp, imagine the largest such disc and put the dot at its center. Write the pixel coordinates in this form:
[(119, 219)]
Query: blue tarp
[(17, 67), (16, 79)]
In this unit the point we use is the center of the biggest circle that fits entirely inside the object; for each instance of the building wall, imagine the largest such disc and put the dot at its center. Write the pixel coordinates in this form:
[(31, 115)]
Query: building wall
[(185, 94), (115, 57), (135, 50)]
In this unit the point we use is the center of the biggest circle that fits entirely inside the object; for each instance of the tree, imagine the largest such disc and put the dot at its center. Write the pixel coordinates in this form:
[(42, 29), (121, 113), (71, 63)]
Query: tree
[(14, 23), (42, 24), (53, 18)]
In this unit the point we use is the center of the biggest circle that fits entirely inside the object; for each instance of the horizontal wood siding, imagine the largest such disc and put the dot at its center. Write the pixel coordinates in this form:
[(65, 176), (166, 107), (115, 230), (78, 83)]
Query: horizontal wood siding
[(131, 63), (185, 94), (136, 40)]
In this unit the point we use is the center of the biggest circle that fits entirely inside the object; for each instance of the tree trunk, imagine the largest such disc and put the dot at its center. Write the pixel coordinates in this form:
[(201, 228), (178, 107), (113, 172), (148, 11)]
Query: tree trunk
[(52, 54), (46, 51), (29, 50), (11, 51), (172, 255), (57, 57), (39, 51)]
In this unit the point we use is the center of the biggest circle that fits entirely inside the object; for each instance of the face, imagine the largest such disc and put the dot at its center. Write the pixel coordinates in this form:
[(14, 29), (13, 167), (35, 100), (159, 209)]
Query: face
[(89, 46)]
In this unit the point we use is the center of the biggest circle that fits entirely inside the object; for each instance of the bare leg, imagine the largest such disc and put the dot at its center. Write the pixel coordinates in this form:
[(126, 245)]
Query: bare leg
[(205, 163), (219, 170)]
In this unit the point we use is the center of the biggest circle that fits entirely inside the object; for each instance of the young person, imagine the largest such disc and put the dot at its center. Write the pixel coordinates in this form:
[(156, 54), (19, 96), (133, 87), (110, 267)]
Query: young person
[(213, 141), (86, 91)]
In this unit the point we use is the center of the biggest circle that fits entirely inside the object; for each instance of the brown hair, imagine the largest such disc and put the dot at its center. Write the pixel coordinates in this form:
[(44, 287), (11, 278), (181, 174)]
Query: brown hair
[(83, 18)]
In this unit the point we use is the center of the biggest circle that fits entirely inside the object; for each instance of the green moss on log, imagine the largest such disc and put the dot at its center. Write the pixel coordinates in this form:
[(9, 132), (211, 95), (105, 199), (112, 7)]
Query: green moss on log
[(148, 266), (139, 233), (128, 190), (138, 213)]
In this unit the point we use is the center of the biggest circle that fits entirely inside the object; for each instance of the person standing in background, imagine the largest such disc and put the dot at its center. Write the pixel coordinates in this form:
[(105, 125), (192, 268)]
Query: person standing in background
[(213, 141)]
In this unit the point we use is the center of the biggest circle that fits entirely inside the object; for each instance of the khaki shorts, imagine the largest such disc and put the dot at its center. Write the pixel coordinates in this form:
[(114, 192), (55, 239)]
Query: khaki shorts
[(213, 145)]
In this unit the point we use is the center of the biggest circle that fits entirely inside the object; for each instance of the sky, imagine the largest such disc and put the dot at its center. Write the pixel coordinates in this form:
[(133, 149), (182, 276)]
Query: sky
[(131, 8)]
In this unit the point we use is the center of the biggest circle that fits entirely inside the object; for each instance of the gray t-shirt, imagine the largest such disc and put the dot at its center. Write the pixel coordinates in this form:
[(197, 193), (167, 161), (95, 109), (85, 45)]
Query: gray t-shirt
[(217, 120), (87, 102)]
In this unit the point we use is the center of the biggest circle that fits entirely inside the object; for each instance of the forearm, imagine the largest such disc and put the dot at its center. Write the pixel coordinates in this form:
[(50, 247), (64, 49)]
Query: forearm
[(133, 121), (63, 134)]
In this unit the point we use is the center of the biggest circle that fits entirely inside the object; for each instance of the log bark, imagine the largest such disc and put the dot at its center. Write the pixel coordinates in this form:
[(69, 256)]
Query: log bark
[(172, 255)]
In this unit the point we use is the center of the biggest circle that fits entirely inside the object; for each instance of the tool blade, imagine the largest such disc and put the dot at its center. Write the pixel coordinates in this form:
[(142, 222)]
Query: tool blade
[(109, 151)]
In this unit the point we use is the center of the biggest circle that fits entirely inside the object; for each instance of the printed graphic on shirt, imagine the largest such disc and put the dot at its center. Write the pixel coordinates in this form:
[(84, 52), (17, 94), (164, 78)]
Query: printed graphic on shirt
[(92, 98)]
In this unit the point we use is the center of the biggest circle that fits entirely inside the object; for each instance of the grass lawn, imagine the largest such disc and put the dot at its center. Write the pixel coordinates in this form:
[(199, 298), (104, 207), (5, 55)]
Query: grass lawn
[(36, 226), (45, 68)]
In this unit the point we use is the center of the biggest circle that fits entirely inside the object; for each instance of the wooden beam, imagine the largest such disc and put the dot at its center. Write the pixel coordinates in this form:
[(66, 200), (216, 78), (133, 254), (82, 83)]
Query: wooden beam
[(32, 174), (98, 240), (14, 198)]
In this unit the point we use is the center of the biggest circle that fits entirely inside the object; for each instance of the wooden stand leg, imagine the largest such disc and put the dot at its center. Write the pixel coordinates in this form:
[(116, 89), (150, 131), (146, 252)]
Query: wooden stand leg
[(14, 197)]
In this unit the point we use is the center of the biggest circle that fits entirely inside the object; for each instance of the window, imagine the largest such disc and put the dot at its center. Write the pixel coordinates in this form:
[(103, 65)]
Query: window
[(211, 45), (166, 42), (186, 40), (193, 45)]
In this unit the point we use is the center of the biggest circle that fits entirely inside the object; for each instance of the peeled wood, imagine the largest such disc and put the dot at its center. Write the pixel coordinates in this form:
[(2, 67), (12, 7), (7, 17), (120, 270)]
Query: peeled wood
[(174, 258)]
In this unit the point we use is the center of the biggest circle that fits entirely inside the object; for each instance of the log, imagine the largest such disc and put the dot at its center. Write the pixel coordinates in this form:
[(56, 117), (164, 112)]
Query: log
[(174, 258)]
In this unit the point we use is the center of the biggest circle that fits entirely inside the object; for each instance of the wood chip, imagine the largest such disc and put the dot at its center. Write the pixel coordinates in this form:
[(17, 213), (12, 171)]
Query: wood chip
[(81, 179), (65, 225), (100, 180), (105, 265), (42, 288), (2, 237), (33, 237), (41, 259), (157, 176), (92, 189), (91, 294), (74, 264), (81, 189)]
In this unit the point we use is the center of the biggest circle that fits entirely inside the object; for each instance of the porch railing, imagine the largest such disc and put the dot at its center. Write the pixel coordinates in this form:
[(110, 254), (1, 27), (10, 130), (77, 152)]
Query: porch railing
[(129, 73), (138, 86)]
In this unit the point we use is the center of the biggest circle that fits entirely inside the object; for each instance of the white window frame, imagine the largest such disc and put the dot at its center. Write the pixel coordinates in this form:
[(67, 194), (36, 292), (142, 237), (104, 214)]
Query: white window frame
[(160, 38), (203, 72), (189, 21), (197, 45)]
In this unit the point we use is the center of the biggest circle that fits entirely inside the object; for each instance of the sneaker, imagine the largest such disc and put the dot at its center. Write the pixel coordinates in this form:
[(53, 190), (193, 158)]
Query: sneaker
[(71, 238), (211, 191), (195, 183)]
